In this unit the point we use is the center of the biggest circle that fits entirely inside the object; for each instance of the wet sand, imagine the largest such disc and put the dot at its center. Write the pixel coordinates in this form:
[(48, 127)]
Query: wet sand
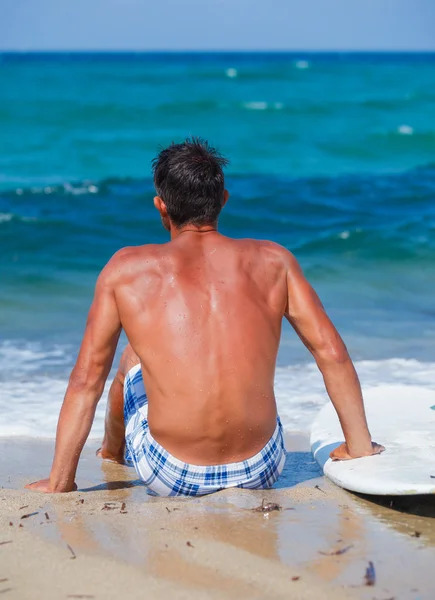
[(110, 539)]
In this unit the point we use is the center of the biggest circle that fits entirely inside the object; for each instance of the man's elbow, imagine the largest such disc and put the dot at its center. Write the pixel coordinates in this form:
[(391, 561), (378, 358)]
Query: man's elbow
[(86, 383), (332, 353)]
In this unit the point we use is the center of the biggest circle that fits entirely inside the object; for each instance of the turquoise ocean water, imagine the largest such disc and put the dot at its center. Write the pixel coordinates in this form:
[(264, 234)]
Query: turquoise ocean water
[(332, 155)]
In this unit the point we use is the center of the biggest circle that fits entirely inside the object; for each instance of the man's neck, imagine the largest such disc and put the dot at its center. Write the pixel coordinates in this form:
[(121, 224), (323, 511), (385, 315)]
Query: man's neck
[(192, 229)]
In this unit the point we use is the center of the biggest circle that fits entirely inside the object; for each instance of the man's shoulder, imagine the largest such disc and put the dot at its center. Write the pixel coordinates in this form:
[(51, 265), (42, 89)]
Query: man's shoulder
[(131, 254), (267, 249), (128, 260)]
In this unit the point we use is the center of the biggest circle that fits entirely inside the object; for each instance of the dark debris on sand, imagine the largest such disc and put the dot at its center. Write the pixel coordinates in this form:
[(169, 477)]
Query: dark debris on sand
[(337, 552), (267, 507), (32, 514), (110, 506), (370, 576)]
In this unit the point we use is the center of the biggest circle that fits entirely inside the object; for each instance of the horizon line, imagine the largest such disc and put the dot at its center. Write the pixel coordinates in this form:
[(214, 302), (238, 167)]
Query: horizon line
[(216, 51)]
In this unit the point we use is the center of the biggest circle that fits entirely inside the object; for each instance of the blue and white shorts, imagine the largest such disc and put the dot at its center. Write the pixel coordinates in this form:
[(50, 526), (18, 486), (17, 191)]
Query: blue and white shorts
[(165, 475)]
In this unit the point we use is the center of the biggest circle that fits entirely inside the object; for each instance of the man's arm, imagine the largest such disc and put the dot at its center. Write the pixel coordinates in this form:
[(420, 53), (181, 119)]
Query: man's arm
[(308, 317), (85, 386)]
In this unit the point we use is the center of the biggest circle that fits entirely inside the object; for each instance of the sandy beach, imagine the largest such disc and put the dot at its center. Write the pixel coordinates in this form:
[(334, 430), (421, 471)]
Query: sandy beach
[(111, 539)]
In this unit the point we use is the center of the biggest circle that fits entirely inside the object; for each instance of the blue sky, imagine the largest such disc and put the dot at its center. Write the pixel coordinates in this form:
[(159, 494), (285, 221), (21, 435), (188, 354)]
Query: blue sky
[(217, 24)]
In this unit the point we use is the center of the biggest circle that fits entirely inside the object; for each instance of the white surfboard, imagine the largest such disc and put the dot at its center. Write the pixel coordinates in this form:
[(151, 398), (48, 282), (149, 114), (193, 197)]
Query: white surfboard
[(400, 418)]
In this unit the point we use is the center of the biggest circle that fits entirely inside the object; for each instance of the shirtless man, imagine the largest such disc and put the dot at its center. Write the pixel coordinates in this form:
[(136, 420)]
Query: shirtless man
[(203, 317)]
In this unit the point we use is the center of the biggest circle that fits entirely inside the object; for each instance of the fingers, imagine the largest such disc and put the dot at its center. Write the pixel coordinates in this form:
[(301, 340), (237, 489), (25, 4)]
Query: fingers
[(341, 452), (378, 449), (341, 457), (107, 456), (33, 486)]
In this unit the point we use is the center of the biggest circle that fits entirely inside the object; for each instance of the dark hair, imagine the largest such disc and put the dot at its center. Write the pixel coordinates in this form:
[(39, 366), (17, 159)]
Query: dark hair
[(190, 180)]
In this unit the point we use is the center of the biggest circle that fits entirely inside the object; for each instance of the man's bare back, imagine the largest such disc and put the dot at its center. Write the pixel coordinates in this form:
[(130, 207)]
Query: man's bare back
[(203, 313), (203, 316)]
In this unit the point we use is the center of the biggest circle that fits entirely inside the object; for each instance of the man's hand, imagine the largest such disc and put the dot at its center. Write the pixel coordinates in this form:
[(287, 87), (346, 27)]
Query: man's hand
[(45, 487), (105, 455), (342, 452)]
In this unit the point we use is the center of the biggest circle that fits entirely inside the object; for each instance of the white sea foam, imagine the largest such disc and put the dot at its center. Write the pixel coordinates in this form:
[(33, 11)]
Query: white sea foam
[(256, 105), (263, 105), (405, 130), (231, 73), (78, 190), (31, 358), (6, 217), (30, 407), (33, 382), (302, 64)]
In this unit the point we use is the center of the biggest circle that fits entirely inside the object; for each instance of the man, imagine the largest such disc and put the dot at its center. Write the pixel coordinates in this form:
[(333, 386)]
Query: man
[(203, 316)]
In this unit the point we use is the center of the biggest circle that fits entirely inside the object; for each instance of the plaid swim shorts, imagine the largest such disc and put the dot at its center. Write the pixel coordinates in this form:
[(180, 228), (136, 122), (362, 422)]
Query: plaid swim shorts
[(165, 475)]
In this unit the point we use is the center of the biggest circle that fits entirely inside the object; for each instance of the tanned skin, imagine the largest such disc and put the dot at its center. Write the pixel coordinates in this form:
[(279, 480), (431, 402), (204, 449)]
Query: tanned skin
[(203, 316)]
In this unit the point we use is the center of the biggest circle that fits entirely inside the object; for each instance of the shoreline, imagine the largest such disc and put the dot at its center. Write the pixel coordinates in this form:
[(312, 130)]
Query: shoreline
[(124, 541)]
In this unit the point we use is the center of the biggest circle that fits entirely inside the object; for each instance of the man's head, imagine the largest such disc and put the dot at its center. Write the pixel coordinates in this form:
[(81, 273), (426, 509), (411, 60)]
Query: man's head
[(189, 181)]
